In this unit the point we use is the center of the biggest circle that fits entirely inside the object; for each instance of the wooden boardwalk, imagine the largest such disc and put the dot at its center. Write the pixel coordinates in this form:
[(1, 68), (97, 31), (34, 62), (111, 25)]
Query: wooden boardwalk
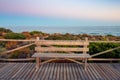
[(59, 71)]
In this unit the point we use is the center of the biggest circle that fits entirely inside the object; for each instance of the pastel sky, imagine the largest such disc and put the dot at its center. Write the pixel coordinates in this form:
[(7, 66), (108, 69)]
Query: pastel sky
[(59, 12)]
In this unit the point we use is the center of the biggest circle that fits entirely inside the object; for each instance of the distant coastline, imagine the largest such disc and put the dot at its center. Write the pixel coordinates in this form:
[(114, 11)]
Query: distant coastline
[(92, 30)]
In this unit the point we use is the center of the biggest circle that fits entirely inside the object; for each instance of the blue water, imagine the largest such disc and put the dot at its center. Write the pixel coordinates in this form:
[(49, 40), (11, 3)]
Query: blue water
[(94, 30)]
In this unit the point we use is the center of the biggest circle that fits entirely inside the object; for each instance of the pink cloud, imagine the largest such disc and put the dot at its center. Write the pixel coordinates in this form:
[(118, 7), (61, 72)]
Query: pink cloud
[(62, 10)]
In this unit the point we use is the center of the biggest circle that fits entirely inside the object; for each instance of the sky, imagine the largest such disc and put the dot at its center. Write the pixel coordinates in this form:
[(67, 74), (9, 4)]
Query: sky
[(59, 13)]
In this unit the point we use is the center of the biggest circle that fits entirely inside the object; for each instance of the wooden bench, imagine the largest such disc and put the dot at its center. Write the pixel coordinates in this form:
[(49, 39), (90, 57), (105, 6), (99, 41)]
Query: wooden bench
[(71, 50)]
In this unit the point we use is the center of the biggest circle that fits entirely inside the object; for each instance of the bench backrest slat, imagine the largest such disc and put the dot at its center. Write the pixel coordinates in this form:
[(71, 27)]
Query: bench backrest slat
[(42, 49), (61, 42)]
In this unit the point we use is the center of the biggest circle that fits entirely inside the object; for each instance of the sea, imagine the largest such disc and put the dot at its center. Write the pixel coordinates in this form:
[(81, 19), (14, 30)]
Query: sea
[(92, 30)]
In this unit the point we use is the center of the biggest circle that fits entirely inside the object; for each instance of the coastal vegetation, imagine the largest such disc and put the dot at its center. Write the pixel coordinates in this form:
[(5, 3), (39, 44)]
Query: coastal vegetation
[(27, 52)]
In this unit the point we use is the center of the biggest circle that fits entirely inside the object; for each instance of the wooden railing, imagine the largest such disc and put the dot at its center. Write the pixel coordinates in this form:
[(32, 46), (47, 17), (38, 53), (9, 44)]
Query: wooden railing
[(33, 40)]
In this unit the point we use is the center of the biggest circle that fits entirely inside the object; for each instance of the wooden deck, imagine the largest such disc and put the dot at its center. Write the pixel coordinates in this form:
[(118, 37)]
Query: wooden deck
[(59, 71)]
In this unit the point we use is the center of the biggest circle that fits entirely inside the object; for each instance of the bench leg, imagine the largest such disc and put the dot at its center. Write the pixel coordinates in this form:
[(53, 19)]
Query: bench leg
[(85, 64), (37, 63), (83, 60)]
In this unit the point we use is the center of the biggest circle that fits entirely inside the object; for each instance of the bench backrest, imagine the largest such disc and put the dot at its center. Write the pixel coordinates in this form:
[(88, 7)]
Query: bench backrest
[(67, 46)]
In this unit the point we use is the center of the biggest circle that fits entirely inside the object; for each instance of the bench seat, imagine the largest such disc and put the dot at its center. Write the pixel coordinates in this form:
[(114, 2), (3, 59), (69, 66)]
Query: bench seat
[(60, 55)]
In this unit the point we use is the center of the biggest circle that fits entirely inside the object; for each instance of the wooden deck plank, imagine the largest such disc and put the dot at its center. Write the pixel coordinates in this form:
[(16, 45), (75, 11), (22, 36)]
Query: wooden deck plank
[(67, 72), (59, 71), (102, 71), (99, 71), (47, 72), (21, 71), (7, 70), (2, 65), (79, 72), (71, 75), (107, 71), (30, 72), (112, 72), (16, 69), (88, 74), (51, 71), (3, 69), (38, 74), (12, 71), (28, 69), (17, 73), (73, 71), (116, 67), (95, 74), (83, 72)]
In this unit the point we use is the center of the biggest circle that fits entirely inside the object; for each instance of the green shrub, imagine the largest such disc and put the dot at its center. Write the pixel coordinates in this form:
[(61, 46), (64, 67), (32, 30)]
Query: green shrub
[(5, 30), (99, 47), (14, 36)]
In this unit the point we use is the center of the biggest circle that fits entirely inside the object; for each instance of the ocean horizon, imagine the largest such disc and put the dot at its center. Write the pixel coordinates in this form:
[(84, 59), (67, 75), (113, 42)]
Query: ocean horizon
[(92, 30)]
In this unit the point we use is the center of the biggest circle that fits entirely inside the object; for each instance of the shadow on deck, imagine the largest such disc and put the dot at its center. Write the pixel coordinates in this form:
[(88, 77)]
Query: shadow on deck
[(59, 71)]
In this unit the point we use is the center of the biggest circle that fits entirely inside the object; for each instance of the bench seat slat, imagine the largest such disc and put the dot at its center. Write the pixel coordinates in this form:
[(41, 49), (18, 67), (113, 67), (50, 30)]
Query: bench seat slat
[(60, 55)]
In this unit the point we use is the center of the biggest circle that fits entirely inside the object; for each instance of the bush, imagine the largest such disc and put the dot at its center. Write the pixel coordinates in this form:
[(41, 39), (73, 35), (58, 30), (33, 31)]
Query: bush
[(5, 30), (99, 47), (14, 36), (36, 32)]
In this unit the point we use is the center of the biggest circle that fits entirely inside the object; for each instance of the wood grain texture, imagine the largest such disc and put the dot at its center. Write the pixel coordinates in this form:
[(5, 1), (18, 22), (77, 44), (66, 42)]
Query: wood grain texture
[(43, 49), (60, 55), (59, 71), (61, 42), (55, 46)]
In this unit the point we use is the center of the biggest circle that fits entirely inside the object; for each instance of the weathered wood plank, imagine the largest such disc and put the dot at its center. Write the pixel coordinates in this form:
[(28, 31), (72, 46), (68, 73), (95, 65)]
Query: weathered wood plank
[(48, 49), (18, 48), (105, 51), (111, 72), (79, 72), (92, 69), (104, 59), (60, 71), (61, 42), (23, 71), (37, 74), (16, 69), (102, 71), (55, 72), (30, 72), (33, 40), (60, 55), (10, 71), (17, 60)]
